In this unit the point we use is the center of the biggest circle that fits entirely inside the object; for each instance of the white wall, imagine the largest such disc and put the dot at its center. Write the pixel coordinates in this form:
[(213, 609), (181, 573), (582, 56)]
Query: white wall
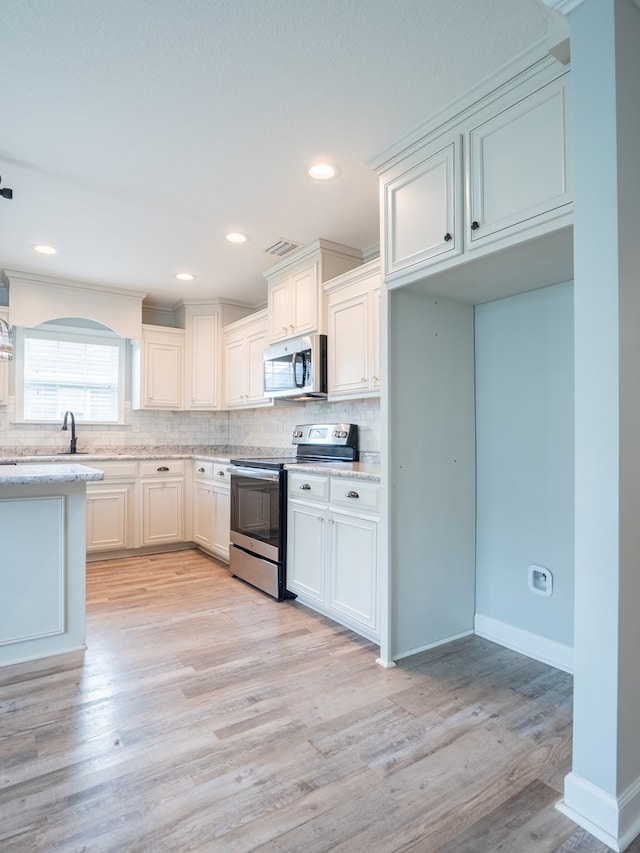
[(525, 468)]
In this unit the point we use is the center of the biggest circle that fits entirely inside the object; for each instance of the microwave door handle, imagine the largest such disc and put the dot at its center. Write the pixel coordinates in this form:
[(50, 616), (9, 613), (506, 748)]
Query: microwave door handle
[(294, 361)]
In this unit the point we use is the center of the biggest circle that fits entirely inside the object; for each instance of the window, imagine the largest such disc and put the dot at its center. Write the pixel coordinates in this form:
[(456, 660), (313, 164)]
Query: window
[(63, 368)]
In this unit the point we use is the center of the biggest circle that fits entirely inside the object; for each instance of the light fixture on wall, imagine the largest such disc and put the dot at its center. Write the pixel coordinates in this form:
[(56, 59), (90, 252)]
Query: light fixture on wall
[(6, 343)]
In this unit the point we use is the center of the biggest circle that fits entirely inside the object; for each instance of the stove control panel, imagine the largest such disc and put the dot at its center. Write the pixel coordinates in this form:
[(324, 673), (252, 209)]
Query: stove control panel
[(341, 435)]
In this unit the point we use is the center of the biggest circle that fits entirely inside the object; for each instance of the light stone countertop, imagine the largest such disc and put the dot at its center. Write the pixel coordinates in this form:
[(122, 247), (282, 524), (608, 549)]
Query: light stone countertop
[(346, 470), (29, 474)]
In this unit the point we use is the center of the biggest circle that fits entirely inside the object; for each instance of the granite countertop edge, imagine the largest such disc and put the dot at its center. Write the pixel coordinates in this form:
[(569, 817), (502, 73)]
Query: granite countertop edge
[(41, 474)]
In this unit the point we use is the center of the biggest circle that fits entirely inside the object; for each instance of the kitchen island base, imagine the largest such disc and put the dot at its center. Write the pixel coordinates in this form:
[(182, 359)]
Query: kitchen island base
[(42, 576)]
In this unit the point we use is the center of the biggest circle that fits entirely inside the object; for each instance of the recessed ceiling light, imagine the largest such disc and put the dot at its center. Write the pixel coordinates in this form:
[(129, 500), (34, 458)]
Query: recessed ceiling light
[(323, 171), (236, 237), (185, 276), (45, 250)]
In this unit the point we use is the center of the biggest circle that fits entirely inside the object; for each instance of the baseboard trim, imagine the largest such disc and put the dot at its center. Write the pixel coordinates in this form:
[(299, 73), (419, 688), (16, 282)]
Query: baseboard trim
[(433, 645), (534, 646), (613, 820)]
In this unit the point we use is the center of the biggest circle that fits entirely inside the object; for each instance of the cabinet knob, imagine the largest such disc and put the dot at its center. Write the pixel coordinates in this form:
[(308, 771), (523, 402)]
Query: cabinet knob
[(352, 494), (475, 225), (201, 470), (305, 487), (162, 468), (447, 237), (220, 473)]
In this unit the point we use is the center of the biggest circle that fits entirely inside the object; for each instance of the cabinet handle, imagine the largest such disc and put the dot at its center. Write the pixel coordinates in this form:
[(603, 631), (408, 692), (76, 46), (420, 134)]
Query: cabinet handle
[(305, 487), (447, 237), (475, 225), (352, 494), (200, 470), (162, 468), (331, 521), (320, 518), (220, 473)]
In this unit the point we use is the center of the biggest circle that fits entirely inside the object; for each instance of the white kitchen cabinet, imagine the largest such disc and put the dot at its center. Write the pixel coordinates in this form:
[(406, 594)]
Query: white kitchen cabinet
[(111, 511), (353, 332), (518, 164), (4, 369), (332, 563), (306, 560), (162, 502), (294, 298), (423, 207), (244, 344), (493, 175), (211, 507), (157, 369), (203, 323), (353, 567)]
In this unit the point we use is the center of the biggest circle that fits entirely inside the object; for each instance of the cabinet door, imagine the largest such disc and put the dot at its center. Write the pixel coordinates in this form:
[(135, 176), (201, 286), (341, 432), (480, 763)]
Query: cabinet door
[(235, 383), (108, 515), (353, 568), (162, 509), (306, 535), (518, 165), (202, 367), (203, 513), (304, 299), (279, 311), (256, 344), (376, 337), (349, 347), (422, 210), (221, 523), (163, 365)]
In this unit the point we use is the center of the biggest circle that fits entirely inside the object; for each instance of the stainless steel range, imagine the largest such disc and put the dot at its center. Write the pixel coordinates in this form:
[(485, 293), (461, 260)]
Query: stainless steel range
[(259, 503)]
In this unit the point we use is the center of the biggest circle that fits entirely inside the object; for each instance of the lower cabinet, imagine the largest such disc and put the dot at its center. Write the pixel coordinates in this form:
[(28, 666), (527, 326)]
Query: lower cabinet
[(332, 550), (162, 502), (211, 507), (111, 507)]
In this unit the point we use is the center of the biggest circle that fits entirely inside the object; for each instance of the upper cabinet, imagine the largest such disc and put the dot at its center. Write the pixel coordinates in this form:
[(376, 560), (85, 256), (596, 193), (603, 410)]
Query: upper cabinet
[(353, 332), (495, 174), (294, 296), (244, 343), (157, 369), (203, 323), (518, 165)]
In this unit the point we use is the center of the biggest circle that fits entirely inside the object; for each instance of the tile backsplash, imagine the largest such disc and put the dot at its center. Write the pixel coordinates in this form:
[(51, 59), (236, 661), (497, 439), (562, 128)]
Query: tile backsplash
[(267, 428)]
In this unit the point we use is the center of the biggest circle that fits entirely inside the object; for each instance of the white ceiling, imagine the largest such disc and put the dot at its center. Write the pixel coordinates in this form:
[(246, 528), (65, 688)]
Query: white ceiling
[(135, 133)]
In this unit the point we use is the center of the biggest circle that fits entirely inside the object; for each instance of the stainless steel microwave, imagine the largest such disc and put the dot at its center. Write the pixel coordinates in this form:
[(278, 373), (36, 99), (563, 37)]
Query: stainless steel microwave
[(296, 369)]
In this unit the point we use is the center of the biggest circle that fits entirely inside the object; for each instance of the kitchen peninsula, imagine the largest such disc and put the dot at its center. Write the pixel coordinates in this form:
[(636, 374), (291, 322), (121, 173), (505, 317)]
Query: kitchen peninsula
[(42, 530)]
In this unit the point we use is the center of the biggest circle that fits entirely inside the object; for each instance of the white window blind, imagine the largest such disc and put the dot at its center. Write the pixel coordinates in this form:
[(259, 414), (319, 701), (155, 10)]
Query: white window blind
[(71, 371)]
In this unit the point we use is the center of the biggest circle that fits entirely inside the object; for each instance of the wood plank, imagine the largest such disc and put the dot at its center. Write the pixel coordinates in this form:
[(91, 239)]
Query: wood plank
[(206, 716)]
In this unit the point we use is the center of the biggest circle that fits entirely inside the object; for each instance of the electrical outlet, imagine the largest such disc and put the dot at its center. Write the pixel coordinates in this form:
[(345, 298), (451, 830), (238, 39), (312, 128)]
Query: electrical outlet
[(540, 580)]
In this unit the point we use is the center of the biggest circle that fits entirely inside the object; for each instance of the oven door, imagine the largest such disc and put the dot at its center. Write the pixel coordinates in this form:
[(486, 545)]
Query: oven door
[(256, 511)]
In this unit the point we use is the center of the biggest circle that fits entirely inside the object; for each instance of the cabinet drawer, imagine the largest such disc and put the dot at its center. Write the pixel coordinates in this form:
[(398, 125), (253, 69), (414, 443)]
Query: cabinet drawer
[(162, 468), (308, 487), (221, 474), (357, 495), (117, 470), (202, 470)]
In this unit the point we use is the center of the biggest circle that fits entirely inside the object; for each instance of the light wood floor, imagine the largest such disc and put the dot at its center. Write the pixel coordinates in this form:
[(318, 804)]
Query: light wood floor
[(206, 716)]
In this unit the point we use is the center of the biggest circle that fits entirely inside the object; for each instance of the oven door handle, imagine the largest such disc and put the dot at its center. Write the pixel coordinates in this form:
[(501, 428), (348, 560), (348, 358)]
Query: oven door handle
[(254, 473)]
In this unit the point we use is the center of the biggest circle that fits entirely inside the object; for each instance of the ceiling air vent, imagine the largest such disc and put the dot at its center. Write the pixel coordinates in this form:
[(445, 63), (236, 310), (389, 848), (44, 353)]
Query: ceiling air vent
[(281, 248)]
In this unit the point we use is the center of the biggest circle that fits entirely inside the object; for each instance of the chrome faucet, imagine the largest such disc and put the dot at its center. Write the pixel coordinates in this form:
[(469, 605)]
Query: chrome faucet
[(72, 444)]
